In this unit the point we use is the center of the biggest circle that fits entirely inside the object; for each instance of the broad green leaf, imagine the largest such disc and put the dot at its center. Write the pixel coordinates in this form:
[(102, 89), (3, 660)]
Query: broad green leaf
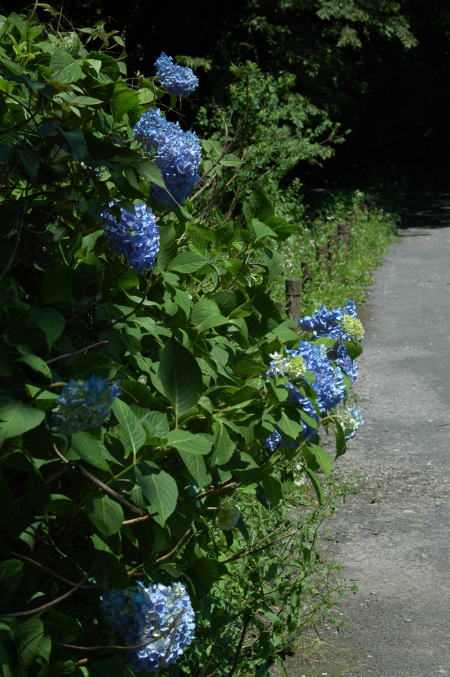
[(30, 160), (30, 636), (159, 488), (17, 418), (183, 440), (156, 423), (196, 466), (134, 433), (341, 446), (150, 171), (180, 377), (207, 315), (323, 457), (272, 489), (124, 99), (145, 95), (137, 392), (261, 230), (224, 446), (91, 450), (289, 427), (37, 364), (187, 262), (11, 571), (50, 322), (315, 482), (105, 514), (65, 68)]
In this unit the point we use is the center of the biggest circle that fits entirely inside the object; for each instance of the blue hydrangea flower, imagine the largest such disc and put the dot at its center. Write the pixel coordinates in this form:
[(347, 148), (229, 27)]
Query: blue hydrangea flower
[(333, 323), (323, 323), (273, 441), (160, 616), (178, 80), (177, 154), (84, 404), (135, 236), (338, 353), (308, 432), (352, 420), (328, 379)]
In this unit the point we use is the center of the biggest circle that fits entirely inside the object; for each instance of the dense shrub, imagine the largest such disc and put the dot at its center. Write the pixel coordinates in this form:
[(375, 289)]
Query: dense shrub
[(137, 384)]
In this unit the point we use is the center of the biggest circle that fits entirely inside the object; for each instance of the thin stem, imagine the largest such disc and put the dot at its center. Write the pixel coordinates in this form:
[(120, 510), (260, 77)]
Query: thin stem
[(50, 571), (239, 647), (17, 614), (114, 494), (77, 352)]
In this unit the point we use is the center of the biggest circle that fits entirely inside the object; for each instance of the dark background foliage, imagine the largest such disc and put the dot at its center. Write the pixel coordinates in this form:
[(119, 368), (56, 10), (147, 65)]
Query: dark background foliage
[(356, 59)]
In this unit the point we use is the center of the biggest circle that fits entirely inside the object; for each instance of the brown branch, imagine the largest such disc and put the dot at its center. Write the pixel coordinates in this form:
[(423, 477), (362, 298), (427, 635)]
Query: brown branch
[(50, 571), (268, 545), (228, 484), (119, 647), (77, 352), (114, 494), (239, 647), (53, 602), (136, 520), (178, 545)]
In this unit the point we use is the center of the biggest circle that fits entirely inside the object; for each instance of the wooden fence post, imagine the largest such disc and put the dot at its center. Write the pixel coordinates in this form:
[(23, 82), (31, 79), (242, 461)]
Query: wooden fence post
[(293, 294)]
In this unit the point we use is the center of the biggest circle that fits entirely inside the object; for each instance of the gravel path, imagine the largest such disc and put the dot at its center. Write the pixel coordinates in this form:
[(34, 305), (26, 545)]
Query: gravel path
[(393, 536)]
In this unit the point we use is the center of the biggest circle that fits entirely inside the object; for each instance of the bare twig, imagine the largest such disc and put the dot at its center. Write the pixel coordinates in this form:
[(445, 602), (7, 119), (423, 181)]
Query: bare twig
[(228, 484), (50, 571), (114, 494), (253, 551), (53, 602), (119, 647), (77, 352), (136, 520), (239, 647), (178, 544)]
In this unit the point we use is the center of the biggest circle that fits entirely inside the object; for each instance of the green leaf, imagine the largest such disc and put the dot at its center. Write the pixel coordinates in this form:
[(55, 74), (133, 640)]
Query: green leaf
[(224, 446), (37, 364), (272, 489), (316, 484), (134, 433), (150, 171), (50, 322), (321, 456), (156, 423), (17, 418), (159, 488), (11, 571), (29, 635), (261, 230), (145, 95), (180, 377), (30, 161), (105, 514), (183, 440), (77, 143), (289, 427), (124, 99), (187, 262), (341, 446), (65, 68), (91, 450), (207, 315), (196, 466), (137, 392)]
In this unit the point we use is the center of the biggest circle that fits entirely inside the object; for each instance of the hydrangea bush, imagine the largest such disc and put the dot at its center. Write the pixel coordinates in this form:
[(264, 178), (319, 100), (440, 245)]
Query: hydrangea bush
[(220, 400)]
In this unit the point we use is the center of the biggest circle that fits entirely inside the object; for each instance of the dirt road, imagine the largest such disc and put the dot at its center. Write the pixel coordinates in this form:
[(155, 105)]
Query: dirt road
[(393, 535)]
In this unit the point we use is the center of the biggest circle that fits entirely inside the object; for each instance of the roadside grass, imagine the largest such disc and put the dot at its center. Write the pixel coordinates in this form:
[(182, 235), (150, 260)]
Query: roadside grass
[(345, 270)]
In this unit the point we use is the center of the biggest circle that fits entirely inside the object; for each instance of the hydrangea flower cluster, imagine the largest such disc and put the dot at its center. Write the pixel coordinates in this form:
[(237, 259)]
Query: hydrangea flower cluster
[(178, 80), (328, 380), (340, 323), (292, 366), (84, 404), (228, 514), (177, 154), (159, 616), (273, 441), (135, 236), (352, 420)]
